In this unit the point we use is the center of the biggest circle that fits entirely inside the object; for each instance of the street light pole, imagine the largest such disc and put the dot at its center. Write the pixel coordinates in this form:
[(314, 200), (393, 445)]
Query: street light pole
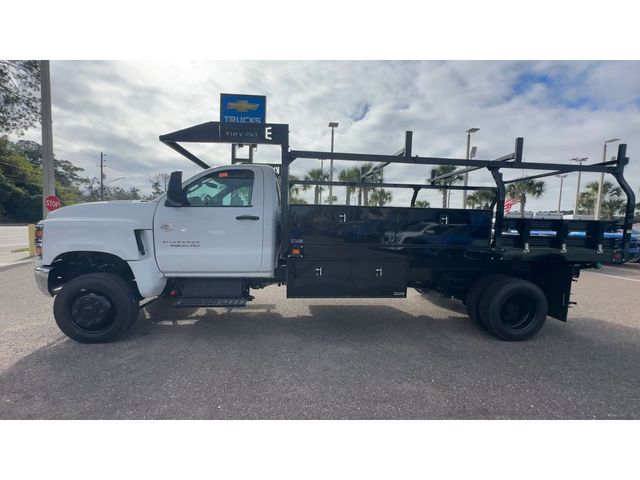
[(579, 160), (333, 126), (466, 175), (600, 184), (561, 177)]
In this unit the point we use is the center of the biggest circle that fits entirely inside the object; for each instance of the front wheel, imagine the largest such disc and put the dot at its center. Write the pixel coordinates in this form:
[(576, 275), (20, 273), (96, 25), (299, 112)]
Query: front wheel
[(95, 308), (513, 309)]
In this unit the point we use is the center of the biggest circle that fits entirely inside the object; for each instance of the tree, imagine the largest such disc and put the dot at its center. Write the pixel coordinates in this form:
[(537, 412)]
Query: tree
[(422, 204), (19, 95), (20, 186), (443, 170), (350, 175), (363, 192), (381, 197), (520, 190), (69, 179), (21, 181), (294, 191), (613, 202), (111, 192), (119, 193), (159, 184), (482, 199), (315, 175)]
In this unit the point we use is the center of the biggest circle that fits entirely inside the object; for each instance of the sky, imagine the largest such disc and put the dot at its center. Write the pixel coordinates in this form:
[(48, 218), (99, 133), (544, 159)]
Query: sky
[(563, 109)]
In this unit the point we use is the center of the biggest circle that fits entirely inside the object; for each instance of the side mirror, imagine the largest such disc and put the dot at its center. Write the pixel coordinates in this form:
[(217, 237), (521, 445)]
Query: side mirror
[(176, 197)]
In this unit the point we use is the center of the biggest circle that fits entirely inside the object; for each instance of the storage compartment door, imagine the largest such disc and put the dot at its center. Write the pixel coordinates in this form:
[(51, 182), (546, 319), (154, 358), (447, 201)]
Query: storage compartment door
[(379, 279), (318, 279)]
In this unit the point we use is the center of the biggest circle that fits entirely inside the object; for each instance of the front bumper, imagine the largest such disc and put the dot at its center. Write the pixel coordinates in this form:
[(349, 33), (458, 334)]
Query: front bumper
[(42, 279)]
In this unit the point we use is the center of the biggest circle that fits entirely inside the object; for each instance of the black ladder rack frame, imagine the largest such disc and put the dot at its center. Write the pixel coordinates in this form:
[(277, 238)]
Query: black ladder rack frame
[(278, 134)]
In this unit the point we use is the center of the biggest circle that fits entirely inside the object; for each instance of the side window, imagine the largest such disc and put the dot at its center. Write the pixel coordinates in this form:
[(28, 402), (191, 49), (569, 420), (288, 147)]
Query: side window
[(226, 188)]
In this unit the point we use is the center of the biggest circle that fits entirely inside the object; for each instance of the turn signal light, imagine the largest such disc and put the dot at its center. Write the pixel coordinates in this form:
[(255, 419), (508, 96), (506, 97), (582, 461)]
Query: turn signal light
[(38, 240)]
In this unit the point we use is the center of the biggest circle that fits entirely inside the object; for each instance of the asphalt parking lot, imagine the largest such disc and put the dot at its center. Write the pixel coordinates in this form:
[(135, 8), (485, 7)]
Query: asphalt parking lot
[(313, 359)]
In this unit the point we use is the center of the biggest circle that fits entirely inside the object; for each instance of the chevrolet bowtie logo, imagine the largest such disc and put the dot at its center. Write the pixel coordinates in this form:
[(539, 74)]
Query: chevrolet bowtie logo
[(242, 106)]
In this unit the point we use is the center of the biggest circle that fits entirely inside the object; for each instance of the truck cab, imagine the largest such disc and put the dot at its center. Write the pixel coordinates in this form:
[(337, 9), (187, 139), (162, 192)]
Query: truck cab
[(224, 226)]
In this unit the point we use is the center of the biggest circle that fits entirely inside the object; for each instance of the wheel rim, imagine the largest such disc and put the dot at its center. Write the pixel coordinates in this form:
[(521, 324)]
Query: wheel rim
[(92, 312), (518, 313)]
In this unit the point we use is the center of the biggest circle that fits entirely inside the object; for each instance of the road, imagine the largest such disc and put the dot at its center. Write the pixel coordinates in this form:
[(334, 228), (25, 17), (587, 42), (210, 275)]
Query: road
[(14, 243), (13, 236), (356, 359)]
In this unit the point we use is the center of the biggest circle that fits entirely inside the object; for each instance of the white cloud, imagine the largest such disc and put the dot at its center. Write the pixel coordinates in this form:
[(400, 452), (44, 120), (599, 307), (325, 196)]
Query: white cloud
[(563, 109)]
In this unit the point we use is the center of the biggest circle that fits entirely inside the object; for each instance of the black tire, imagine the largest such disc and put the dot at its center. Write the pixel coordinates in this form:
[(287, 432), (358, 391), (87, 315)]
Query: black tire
[(513, 309), (95, 308), (474, 294)]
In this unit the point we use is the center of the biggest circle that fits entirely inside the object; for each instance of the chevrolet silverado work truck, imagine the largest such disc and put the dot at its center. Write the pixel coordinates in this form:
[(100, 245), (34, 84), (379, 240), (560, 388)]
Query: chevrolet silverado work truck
[(213, 238)]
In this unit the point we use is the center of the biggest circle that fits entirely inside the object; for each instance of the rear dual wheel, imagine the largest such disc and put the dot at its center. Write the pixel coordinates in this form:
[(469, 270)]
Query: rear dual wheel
[(510, 308)]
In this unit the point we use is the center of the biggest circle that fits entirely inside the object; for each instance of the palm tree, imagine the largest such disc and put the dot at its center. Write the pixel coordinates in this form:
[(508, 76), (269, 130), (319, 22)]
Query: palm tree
[(482, 199), (422, 204), (315, 175), (442, 170), (294, 189), (381, 197), (520, 190), (612, 201), (350, 175), (363, 192)]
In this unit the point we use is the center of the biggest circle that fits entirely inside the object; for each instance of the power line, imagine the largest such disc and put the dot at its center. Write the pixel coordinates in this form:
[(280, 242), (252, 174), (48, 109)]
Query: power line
[(75, 156), (77, 143), (86, 147)]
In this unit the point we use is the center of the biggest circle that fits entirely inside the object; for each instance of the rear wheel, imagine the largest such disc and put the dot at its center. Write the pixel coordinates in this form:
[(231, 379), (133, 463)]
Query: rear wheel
[(513, 309), (474, 294), (95, 308)]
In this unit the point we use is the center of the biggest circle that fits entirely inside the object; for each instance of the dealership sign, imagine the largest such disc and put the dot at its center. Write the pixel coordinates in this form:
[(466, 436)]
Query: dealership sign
[(236, 108)]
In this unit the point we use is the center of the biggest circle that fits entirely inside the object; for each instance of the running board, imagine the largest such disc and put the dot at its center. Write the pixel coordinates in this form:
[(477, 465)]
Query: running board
[(211, 302)]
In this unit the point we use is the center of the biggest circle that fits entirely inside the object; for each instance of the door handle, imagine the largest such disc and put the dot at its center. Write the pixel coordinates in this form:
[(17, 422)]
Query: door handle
[(247, 217)]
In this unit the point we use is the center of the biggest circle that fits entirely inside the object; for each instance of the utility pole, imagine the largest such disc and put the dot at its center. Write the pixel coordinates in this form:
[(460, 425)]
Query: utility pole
[(48, 177), (102, 176), (466, 175)]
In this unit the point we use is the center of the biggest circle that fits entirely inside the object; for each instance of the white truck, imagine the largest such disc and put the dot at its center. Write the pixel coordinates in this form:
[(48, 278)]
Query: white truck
[(212, 238)]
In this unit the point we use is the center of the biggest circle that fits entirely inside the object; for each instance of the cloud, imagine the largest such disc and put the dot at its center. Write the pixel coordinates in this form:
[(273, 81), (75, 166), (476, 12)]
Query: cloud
[(562, 109)]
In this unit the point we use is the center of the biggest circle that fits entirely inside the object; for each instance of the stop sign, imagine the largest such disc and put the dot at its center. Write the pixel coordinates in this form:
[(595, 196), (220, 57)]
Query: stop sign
[(52, 203)]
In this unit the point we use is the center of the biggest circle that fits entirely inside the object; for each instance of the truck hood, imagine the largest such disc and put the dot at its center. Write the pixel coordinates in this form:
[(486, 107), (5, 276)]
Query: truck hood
[(138, 212)]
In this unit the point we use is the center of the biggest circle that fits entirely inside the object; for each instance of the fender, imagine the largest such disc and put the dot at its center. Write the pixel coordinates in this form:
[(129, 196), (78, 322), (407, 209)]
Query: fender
[(121, 229)]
